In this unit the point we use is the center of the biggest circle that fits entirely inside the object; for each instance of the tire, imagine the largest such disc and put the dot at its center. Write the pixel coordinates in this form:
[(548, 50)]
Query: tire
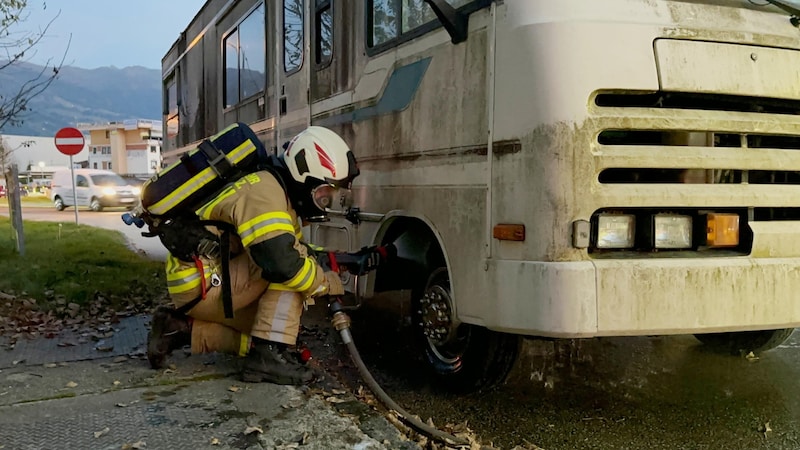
[(473, 358), (59, 204), (744, 342), (95, 205)]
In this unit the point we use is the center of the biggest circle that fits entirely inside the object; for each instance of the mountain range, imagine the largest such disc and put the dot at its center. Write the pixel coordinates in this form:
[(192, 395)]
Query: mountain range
[(77, 95)]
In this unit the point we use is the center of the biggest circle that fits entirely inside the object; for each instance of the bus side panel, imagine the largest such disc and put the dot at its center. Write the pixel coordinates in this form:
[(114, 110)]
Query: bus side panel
[(429, 158)]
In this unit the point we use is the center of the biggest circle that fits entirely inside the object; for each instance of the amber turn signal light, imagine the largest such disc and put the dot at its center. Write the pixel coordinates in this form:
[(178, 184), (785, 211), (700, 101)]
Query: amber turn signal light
[(722, 230), (509, 232)]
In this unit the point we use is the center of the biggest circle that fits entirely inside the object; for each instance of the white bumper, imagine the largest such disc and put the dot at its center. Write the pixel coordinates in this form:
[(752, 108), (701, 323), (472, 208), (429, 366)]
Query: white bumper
[(642, 297)]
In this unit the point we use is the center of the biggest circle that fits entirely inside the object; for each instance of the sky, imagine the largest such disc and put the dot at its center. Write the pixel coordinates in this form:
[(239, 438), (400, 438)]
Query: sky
[(118, 33)]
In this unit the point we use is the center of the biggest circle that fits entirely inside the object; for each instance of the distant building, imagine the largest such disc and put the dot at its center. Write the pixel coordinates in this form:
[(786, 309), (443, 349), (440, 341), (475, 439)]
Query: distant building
[(130, 147), (30, 152), (36, 158)]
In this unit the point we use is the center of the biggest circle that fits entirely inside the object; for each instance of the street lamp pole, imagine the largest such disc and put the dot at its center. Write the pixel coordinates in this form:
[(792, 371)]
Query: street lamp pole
[(41, 175)]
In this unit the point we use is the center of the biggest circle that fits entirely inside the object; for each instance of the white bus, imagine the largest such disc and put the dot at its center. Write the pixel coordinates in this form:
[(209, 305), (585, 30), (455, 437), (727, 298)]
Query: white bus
[(567, 169)]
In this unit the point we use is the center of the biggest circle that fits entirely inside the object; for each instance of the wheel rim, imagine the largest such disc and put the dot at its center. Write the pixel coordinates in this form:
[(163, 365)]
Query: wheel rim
[(446, 341), (95, 205), (59, 203)]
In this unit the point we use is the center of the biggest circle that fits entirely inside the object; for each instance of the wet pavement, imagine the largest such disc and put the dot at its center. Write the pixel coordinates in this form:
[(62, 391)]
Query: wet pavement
[(665, 392)]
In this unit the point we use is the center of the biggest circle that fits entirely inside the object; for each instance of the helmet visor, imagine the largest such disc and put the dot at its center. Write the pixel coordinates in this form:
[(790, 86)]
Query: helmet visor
[(327, 196)]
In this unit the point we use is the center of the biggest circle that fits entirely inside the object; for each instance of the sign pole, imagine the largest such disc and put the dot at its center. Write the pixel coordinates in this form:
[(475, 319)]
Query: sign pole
[(15, 208), (69, 141), (74, 190)]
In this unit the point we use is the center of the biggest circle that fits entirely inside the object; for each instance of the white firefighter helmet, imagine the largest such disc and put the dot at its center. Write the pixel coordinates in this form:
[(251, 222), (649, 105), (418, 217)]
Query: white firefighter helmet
[(319, 156)]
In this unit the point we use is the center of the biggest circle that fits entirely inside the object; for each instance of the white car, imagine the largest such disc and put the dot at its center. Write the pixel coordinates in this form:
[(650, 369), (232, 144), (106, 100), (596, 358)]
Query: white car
[(94, 188)]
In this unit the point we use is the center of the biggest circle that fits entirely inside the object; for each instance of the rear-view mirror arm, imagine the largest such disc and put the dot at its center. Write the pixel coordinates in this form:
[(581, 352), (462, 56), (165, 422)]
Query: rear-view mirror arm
[(455, 22)]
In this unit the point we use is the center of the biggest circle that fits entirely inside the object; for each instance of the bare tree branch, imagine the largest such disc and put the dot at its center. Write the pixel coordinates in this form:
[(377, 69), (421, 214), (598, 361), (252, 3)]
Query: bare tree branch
[(6, 152), (18, 50)]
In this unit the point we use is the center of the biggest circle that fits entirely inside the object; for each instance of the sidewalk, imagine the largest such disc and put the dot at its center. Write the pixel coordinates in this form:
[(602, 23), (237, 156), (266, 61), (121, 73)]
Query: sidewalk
[(92, 389)]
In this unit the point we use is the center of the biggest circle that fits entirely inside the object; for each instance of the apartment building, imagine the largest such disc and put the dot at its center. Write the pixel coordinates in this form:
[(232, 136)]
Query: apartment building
[(130, 147)]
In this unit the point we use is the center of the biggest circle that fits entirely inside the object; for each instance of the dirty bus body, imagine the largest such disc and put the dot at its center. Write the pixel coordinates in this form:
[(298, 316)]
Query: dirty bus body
[(562, 169)]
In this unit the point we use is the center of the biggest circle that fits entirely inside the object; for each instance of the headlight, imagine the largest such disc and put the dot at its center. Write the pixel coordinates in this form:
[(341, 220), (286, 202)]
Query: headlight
[(109, 191), (672, 231), (615, 230), (136, 191)]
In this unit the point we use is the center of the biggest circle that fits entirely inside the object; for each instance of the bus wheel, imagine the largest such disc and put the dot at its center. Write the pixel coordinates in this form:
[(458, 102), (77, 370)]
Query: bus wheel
[(463, 357), (744, 342)]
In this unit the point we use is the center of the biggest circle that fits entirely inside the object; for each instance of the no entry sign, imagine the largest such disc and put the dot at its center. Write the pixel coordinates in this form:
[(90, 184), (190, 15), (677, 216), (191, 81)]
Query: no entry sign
[(69, 141)]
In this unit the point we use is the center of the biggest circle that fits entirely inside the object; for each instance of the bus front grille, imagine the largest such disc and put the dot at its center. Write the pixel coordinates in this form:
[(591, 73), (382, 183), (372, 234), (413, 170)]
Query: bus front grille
[(647, 138)]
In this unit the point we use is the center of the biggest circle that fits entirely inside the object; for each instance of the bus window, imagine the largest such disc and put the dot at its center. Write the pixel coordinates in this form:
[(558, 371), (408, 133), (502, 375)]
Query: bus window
[(387, 25), (245, 58), (415, 14), (383, 21), (171, 108), (252, 54), (292, 35), (231, 69), (324, 32)]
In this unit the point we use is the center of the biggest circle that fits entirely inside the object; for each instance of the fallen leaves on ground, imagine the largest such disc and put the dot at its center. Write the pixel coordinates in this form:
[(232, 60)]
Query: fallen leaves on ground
[(366, 396), (765, 429), (22, 316), (460, 431)]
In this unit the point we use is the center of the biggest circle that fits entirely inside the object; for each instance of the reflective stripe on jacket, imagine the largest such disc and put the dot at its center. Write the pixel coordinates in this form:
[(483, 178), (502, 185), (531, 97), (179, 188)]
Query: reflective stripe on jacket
[(183, 277), (258, 207)]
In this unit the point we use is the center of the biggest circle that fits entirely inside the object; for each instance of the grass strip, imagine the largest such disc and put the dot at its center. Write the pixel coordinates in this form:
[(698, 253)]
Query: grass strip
[(78, 262)]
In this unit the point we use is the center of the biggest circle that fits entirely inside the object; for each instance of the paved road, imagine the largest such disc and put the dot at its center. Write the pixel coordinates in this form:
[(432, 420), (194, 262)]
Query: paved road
[(108, 219)]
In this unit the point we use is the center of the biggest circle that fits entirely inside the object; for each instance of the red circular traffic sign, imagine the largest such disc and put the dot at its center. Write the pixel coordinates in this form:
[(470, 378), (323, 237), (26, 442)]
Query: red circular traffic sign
[(69, 141)]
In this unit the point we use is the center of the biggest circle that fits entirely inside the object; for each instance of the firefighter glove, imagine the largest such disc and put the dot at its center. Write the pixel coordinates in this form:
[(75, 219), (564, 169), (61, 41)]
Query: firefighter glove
[(334, 284), (369, 258)]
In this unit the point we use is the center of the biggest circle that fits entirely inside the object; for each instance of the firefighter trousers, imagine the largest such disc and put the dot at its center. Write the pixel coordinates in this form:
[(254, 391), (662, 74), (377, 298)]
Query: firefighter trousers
[(262, 310)]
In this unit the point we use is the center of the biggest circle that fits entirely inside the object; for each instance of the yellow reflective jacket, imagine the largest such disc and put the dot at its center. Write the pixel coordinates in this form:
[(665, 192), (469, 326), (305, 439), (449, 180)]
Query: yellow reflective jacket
[(258, 208)]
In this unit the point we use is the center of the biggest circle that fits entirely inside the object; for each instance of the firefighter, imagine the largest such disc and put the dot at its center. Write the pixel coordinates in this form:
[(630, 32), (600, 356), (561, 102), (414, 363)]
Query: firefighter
[(271, 271)]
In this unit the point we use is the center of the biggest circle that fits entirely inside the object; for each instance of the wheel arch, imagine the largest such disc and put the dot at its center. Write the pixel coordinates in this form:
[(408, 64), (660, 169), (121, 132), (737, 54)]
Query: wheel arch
[(420, 251)]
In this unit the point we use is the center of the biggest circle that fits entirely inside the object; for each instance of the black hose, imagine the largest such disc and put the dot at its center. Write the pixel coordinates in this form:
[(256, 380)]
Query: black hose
[(373, 385)]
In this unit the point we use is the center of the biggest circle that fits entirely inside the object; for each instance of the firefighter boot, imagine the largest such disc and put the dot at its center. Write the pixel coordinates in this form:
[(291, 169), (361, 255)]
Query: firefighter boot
[(170, 330), (267, 361)]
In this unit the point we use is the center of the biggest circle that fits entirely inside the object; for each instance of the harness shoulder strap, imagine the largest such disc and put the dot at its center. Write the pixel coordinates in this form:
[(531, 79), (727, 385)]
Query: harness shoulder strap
[(216, 159), (225, 255), (227, 297)]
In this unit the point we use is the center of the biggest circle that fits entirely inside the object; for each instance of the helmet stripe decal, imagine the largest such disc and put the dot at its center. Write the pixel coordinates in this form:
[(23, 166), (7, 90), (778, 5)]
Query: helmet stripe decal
[(325, 160)]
